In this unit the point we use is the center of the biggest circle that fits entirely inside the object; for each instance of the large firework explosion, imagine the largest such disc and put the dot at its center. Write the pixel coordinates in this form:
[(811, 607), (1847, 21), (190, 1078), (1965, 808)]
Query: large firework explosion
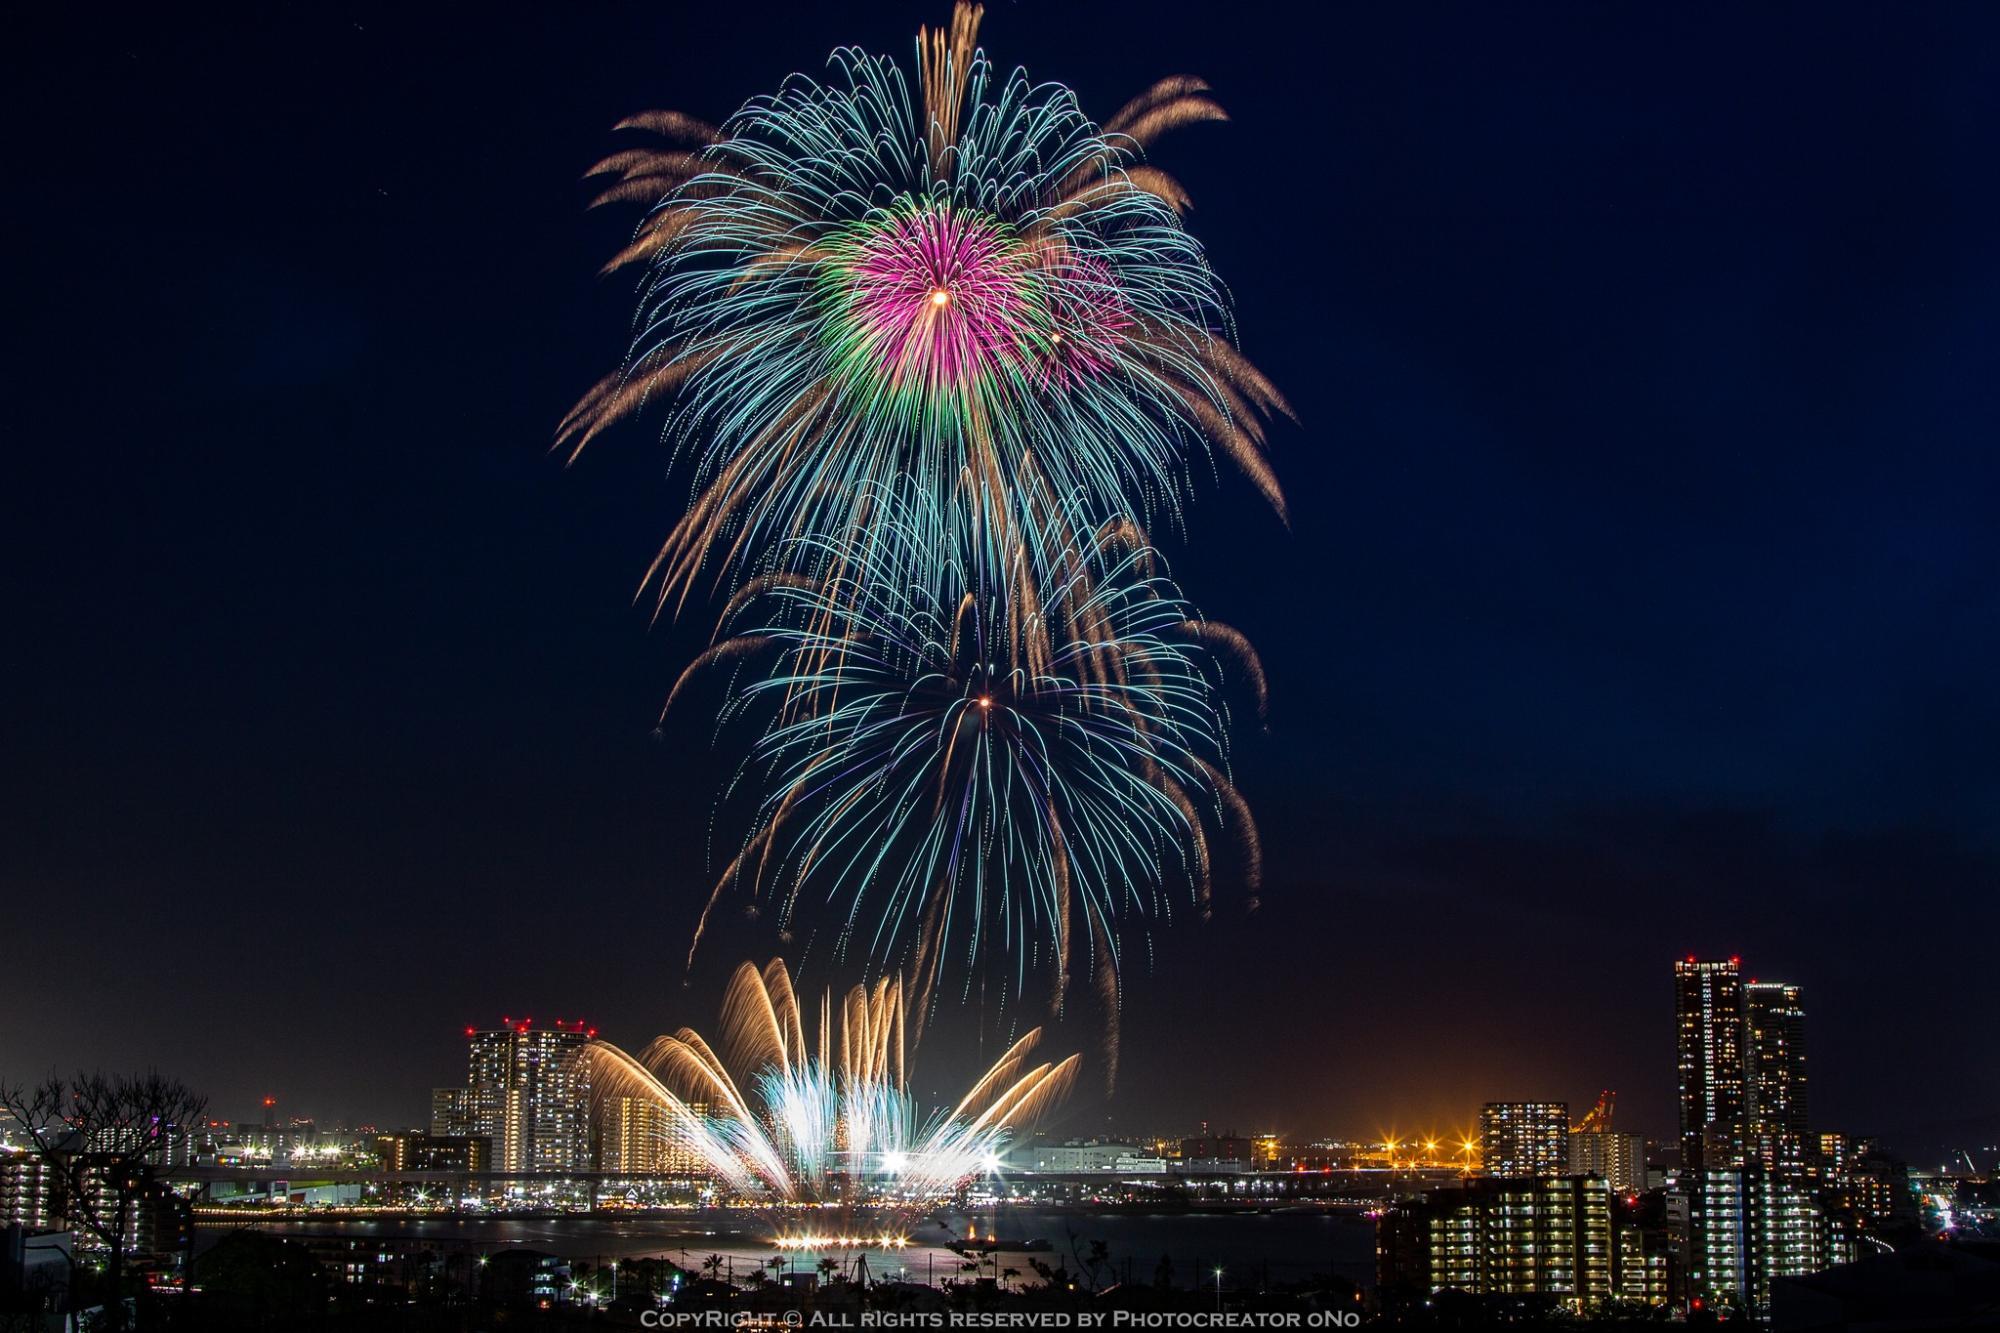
[(826, 1122), (934, 352), (1018, 751), (969, 283)]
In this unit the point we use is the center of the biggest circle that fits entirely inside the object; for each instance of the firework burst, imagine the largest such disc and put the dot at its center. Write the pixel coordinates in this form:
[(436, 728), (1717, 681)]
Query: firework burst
[(934, 351), (967, 282), (1024, 753)]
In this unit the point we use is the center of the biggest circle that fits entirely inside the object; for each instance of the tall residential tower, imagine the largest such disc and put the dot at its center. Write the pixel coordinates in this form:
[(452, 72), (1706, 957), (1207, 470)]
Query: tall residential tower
[(1714, 1091), (1774, 1051), (528, 1091)]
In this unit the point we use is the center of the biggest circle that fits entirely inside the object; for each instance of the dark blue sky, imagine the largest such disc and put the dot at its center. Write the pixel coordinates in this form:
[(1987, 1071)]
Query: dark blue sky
[(1642, 595)]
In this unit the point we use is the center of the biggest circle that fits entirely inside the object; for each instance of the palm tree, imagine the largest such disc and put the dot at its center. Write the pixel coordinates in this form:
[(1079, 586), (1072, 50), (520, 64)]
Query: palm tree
[(713, 1267), (828, 1266)]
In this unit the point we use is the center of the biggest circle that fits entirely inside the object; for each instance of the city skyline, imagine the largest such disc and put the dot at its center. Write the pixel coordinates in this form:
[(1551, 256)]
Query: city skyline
[(1740, 1062), (554, 1121), (1637, 486)]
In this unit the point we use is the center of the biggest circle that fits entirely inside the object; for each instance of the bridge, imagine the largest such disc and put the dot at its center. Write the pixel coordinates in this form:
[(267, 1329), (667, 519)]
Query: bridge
[(1324, 1182)]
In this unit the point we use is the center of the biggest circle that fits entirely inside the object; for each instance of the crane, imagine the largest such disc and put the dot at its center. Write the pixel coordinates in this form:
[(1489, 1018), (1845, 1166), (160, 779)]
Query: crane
[(1599, 1118)]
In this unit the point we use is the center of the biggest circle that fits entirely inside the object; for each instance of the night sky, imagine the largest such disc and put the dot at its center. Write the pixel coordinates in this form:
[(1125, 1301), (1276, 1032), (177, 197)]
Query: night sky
[(1642, 595)]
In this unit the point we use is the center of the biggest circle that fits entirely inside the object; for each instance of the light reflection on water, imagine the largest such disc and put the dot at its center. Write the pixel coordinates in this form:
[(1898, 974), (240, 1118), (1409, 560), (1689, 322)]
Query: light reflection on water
[(1279, 1247)]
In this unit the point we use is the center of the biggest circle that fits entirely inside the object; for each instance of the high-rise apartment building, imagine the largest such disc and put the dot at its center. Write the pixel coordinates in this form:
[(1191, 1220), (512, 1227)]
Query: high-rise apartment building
[(1774, 1051), (33, 1196), (637, 1136), (451, 1113), (1550, 1236), (1714, 1091), (680, 1158), (1524, 1138), (1619, 1158), (1643, 1273), (527, 1093), (29, 1193), (1745, 1193), (642, 1137), (1746, 1226), (1835, 1150)]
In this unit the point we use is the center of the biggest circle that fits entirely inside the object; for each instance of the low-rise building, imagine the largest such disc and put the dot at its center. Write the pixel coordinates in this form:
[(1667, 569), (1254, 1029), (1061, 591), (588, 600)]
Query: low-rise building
[(433, 1152), (1083, 1157)]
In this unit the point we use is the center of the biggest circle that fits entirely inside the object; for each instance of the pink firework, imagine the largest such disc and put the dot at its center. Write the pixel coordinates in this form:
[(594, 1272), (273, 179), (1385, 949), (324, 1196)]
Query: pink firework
[(1088, 317), (941, 299)]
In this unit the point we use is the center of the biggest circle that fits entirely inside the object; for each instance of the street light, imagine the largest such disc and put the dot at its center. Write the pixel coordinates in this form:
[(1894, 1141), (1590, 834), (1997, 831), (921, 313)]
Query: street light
[(1218, 1288)]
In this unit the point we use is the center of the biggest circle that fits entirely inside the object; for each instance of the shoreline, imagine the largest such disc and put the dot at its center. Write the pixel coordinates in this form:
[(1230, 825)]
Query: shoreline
[(219, 1217)]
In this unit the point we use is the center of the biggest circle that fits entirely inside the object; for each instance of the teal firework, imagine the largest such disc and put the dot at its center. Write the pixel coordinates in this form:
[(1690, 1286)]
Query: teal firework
[(958, 279), (1019, 751)]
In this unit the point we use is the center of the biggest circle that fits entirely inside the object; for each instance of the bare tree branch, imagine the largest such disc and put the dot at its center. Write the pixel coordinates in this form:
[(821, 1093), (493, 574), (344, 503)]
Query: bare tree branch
[(103, 1138)]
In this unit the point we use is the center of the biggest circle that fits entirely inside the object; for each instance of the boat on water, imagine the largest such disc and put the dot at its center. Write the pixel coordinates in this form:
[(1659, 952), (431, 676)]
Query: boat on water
[(991, 1244)]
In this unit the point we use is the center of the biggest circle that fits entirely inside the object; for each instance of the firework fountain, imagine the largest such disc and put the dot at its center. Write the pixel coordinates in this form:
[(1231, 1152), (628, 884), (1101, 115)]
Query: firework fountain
[(819, 1132)]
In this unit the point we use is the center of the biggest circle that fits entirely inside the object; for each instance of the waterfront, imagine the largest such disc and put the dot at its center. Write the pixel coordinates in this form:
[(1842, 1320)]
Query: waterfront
[(1254, 1248)]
